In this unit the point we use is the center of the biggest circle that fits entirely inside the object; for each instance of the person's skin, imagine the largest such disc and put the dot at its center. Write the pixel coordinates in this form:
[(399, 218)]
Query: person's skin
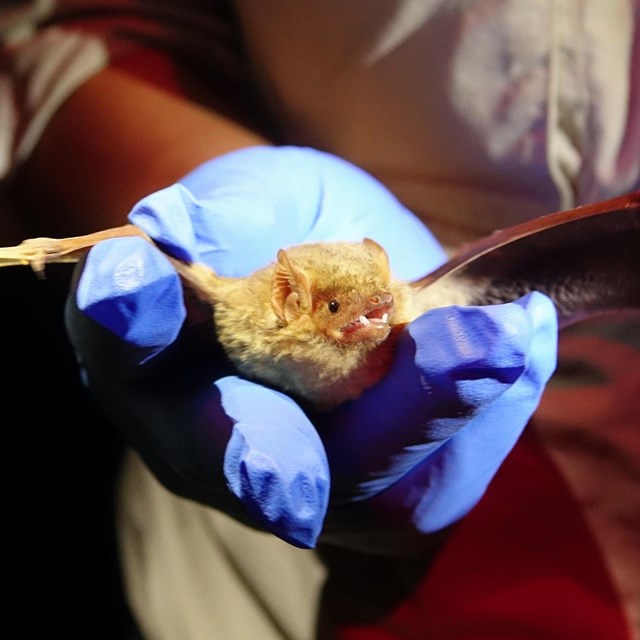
[(115, 140)]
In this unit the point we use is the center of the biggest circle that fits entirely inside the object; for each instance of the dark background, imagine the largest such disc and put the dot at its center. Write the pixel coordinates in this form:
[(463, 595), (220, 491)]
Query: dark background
[(60, 457)]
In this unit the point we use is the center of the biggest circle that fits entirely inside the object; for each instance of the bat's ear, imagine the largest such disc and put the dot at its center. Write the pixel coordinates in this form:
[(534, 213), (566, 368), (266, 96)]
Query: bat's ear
[(378, 254), (290, 290)]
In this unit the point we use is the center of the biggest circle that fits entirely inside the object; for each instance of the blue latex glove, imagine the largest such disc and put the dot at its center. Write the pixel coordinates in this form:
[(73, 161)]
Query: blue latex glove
[(411, 456)]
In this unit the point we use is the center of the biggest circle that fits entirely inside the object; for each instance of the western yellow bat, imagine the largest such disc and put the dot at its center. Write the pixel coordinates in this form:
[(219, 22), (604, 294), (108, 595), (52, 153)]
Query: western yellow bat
[(319, 322)]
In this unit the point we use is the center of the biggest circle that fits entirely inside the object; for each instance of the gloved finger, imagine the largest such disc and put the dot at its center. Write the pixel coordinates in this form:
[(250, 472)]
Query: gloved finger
[(275, 462), (130, 289), (447, 484), (234, 212), (450, 365)]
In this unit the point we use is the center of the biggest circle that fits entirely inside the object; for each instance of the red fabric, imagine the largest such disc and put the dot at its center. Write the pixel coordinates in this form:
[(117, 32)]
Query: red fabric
[(522, 565), (152, 66)]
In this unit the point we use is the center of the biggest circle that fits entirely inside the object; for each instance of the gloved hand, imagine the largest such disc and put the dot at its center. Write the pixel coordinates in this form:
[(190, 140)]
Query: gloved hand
[(413, 454)]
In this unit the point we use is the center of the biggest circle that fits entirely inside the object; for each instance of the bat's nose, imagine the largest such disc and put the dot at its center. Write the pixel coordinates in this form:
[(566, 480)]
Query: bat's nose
[(381, 299)]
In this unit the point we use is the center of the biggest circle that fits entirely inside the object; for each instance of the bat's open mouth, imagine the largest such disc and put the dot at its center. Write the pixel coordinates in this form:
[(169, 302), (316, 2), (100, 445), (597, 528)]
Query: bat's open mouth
[(374, 322)]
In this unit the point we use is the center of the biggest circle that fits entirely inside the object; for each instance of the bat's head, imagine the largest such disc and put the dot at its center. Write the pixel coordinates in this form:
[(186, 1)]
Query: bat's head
[(344, 288)]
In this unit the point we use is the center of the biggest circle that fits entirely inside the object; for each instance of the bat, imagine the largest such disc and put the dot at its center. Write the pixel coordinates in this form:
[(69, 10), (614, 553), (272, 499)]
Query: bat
[(320, 321)]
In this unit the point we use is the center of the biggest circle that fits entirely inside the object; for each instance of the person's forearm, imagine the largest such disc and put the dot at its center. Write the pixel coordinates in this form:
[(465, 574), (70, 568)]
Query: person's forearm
[(115, 140)]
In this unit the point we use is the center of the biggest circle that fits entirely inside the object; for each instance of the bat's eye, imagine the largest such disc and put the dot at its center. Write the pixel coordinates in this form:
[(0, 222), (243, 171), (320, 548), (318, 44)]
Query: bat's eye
[(334, 305)]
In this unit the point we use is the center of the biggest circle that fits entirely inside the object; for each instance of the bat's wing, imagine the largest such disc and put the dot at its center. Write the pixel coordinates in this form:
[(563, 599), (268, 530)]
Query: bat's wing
[(586, 259)]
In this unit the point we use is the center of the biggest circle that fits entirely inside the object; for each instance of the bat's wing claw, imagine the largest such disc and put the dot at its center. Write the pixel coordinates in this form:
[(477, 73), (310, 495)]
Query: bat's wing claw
[(35, 252)]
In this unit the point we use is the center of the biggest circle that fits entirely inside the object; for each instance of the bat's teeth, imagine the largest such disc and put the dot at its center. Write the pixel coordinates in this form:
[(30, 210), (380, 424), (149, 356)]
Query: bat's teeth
[(385, 317), (364, 320)]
